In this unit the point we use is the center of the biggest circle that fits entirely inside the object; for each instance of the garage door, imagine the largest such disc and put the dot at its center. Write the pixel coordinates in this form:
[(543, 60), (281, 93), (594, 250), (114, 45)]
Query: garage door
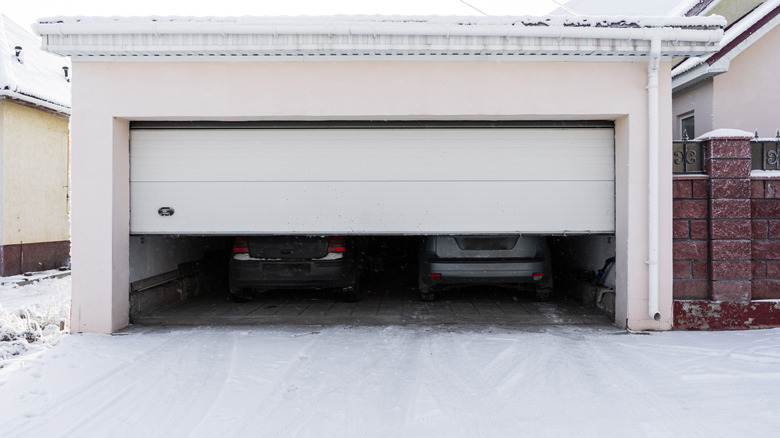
[(324, 180)]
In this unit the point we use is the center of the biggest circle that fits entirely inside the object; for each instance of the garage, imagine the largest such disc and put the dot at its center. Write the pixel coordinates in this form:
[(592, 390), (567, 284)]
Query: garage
[(337, 178), (189, 131)]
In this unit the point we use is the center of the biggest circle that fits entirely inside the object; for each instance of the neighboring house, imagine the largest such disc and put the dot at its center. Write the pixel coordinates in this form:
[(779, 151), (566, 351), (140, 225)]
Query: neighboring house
[(727, 190), (371, 125), (34, 150), (736, 87)]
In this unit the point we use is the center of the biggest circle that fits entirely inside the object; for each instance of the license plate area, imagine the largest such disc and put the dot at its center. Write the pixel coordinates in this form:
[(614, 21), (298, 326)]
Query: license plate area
[(286, 269)]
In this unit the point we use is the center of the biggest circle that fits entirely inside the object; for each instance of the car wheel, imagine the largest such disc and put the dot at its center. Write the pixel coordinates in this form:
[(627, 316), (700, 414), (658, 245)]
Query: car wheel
[(542, 294), (426, 292), (351, 294), (239, 294), (543, 291)]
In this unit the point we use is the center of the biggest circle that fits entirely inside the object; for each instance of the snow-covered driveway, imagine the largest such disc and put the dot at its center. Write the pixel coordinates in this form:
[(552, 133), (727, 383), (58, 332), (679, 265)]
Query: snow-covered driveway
[(396, 381)]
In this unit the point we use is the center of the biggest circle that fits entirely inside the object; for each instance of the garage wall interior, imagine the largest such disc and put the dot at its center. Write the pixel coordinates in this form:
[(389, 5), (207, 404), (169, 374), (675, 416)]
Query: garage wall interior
[(123, 177)]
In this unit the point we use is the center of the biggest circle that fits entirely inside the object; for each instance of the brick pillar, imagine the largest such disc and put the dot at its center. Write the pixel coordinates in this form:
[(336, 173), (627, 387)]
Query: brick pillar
[(691, 237), (730, 248), (766, 238)]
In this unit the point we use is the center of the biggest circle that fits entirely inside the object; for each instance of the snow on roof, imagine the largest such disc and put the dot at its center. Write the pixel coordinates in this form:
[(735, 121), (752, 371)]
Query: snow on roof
[(374, 36), (620, 7), (33, 76), (737, 37), (422, 24), (692, 8)]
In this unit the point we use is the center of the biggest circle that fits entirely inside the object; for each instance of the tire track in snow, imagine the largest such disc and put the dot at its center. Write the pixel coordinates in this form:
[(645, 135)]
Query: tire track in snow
[(77, 395), (269, 406), (666, 418), (330, 411), (209, 410), (113, 398)]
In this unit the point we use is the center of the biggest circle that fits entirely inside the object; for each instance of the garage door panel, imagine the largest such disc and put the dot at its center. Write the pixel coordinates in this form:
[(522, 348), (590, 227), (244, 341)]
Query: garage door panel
[(373, 155), (372, 207)]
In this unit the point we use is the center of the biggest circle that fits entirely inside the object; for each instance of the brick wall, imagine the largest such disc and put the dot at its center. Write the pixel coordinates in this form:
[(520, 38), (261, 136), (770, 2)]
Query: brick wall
[(726, 242)]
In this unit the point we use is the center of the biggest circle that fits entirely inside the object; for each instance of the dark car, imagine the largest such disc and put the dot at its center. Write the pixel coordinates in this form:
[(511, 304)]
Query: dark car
[(468, 260), (292, 262)]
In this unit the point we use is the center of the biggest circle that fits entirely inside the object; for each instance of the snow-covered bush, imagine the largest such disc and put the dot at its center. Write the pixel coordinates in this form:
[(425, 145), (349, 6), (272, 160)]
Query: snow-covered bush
[(34, 314)]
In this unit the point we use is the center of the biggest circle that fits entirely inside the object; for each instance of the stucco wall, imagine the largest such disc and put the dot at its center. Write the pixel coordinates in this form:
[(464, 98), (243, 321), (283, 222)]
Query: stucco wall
[(747, 97), (34, 175), (106, 96), (698, 102)]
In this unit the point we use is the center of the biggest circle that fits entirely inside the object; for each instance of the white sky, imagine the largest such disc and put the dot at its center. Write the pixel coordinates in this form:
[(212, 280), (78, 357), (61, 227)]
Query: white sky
[(25, 12)]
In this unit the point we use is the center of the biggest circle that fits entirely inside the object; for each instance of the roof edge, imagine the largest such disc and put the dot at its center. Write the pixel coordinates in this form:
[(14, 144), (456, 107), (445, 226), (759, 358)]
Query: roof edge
[(765, 18), (43, 105), (385, 37)]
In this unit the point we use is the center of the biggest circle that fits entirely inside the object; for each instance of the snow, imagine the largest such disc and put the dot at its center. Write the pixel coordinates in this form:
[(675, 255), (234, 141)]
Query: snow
[(734, 31), (32, 316), (755, 173), (396, 381), (618, 7), (725, 133), (39, 78), (166, 24), (354, 381)]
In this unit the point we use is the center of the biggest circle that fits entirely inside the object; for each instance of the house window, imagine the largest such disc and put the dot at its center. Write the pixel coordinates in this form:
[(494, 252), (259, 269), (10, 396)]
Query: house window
[(687, 128)]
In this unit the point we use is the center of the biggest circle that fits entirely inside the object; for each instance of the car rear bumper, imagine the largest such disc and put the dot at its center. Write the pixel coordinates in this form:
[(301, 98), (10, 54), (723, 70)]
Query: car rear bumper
[(256, 274), (454, 271)]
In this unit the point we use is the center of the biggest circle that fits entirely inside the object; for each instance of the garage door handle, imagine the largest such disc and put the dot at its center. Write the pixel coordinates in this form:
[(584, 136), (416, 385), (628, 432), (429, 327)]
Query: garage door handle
[(165, 211)]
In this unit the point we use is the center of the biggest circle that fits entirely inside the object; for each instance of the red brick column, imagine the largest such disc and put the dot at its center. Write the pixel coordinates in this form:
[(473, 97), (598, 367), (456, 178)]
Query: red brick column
[(741, 246), (691, 237), (766, 238), (731, 267)]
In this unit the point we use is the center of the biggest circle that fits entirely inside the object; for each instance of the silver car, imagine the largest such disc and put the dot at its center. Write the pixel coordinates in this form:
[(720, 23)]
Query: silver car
[(464, 260)]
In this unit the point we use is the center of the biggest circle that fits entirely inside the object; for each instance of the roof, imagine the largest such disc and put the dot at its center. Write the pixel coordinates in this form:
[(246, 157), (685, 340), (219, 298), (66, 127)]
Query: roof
[(697, 7), (33, 76), (375, 37), (738, 36), (619, 7)]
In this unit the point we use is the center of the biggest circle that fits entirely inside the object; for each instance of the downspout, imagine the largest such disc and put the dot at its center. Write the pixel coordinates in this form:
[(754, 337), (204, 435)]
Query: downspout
[(652, 179)]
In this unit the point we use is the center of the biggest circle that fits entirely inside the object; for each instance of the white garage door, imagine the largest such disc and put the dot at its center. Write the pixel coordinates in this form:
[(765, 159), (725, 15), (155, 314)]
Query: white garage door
[(372, 181)]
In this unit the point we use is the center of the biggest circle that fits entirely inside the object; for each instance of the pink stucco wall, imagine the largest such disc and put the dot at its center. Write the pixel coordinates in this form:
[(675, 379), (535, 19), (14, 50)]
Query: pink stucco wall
[(107, 95), (698, 102), (747, 97)]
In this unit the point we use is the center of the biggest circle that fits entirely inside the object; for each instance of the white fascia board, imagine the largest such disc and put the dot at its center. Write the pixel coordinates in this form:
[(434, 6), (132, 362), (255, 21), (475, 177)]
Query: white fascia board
[(386, 46), (372, 40)]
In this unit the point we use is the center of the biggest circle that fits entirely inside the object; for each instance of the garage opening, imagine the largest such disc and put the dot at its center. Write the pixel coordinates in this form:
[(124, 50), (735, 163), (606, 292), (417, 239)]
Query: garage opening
[(382, 188), (196, 291)]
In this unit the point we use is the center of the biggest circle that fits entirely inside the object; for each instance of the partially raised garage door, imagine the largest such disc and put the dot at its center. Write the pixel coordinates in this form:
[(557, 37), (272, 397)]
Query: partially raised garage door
[(325, 180)]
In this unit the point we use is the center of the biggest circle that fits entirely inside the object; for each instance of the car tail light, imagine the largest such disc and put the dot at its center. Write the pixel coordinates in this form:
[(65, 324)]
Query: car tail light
[(240, 246), (538, 276), (436, 277), (337, 244)]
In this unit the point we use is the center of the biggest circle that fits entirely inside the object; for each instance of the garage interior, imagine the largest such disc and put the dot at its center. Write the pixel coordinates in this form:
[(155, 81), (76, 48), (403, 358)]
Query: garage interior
[(178, 268), (196, 292)]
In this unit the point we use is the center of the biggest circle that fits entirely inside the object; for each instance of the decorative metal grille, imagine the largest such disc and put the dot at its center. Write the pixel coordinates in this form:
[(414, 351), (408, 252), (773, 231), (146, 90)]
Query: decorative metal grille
[(764, 155), (687, 156)]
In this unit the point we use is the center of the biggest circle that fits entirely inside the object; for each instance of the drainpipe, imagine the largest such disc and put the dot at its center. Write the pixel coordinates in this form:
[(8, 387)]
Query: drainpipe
[(652, 183)]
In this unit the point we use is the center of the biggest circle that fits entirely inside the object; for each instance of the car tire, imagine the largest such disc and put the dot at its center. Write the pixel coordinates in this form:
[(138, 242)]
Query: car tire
[(239, 294), (543, 291), (426, 292), (351, 294), (542, 294)]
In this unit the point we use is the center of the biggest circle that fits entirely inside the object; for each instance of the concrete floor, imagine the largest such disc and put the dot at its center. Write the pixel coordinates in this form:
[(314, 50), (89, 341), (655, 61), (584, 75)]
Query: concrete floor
[(379, 305)]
